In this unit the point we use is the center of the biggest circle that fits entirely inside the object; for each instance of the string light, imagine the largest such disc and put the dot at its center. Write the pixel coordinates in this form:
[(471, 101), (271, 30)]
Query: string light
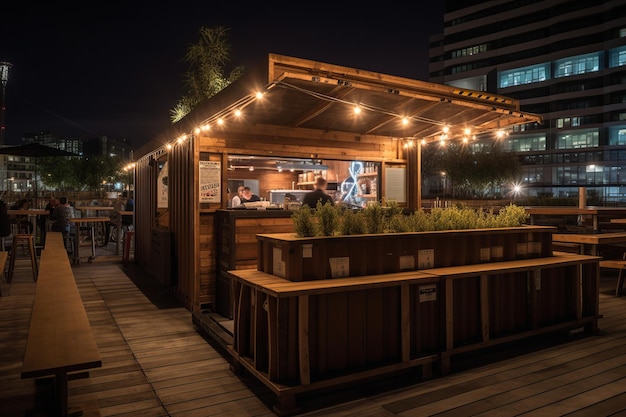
[(236, 110)]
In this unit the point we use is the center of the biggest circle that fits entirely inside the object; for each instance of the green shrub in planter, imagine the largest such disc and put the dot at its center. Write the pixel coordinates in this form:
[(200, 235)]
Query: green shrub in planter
[(328, 219), (333, 220), (352, 223), (303, 222)]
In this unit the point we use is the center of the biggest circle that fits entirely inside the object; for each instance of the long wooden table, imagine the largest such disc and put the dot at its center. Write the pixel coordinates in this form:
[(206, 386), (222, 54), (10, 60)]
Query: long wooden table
[(60, 339), (585, 240), (594, 211)]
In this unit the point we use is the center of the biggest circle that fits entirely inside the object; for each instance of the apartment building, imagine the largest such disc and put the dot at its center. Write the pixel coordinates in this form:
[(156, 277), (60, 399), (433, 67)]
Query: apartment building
[(564, 60), (17, 173)]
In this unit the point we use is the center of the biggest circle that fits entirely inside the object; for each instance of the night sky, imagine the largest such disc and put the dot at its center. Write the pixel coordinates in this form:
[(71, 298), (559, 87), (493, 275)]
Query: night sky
[(116, 70)]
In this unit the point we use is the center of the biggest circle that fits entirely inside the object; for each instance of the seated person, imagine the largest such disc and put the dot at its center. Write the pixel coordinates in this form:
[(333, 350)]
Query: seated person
[(61, 216), (23, 223), (248, 197), (127, 219), (5, 223), (114, 217), (43, 220)]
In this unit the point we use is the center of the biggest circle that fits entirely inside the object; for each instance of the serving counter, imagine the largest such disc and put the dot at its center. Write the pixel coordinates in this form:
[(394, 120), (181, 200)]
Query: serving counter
[(237, 244)]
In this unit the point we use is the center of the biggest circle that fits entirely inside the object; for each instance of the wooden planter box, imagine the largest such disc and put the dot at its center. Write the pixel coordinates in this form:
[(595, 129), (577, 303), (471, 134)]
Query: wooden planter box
[(303, 336), (303, 259)]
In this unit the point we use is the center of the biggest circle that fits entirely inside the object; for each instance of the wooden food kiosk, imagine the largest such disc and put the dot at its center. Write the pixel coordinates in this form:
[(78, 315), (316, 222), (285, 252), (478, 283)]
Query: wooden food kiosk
[(271, 129), (289, 108)]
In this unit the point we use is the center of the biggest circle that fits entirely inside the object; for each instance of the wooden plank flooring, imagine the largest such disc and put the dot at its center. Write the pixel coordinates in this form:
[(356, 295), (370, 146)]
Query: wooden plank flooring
[(155, 363)]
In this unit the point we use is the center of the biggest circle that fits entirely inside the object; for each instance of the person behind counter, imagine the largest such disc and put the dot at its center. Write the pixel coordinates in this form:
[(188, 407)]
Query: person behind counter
[(318, 194), (248, 197), (236, 200)]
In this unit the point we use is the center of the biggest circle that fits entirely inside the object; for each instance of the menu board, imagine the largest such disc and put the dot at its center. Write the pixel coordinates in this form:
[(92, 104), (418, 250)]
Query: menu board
[(210, 182), (395, 184)]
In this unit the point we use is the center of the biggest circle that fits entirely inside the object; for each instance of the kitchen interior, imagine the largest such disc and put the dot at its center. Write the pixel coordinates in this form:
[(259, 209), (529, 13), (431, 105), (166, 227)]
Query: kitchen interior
[(281, 183)]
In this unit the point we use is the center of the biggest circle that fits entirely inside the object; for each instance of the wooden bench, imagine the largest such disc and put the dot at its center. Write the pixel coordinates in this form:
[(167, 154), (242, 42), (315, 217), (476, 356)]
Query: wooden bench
[(619, 264), (60, 340)]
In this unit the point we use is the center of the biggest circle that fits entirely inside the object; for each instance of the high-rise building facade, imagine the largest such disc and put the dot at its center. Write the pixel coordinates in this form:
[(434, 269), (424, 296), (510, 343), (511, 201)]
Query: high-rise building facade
[(562, 59)]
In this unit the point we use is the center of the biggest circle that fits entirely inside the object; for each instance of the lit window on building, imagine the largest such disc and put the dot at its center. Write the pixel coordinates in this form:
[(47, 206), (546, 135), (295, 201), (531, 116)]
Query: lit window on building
[(578, 140), (577, 65), (526, 75)]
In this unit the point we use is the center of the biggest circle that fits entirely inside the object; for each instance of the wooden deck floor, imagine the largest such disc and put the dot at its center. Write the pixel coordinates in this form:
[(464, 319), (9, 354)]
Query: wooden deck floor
[(155, 363)]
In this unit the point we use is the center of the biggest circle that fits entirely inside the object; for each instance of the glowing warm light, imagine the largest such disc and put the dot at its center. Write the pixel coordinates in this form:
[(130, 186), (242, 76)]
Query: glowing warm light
[(465, 139), (500, 134), (423, 141), (467, 131), (357, 110), (445, 129), (238, 113), (168, 146), (197, 130), (280, 169), (259, 94), (205, 127), (251, 168), (405, 121), (220, 121)]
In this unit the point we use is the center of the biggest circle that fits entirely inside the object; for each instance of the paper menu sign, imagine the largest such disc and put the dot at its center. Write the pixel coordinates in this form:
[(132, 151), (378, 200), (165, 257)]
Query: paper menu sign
[(426, 259), (340, 267), (278, 265), (428, 293)]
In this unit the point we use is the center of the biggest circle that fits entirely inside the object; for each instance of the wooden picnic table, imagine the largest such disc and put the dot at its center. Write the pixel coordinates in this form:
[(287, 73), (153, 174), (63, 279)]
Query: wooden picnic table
[(594, 211), (592, 240)]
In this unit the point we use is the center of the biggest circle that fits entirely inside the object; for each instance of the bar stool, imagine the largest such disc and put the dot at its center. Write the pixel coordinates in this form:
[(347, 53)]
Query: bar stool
[(29, 241)]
